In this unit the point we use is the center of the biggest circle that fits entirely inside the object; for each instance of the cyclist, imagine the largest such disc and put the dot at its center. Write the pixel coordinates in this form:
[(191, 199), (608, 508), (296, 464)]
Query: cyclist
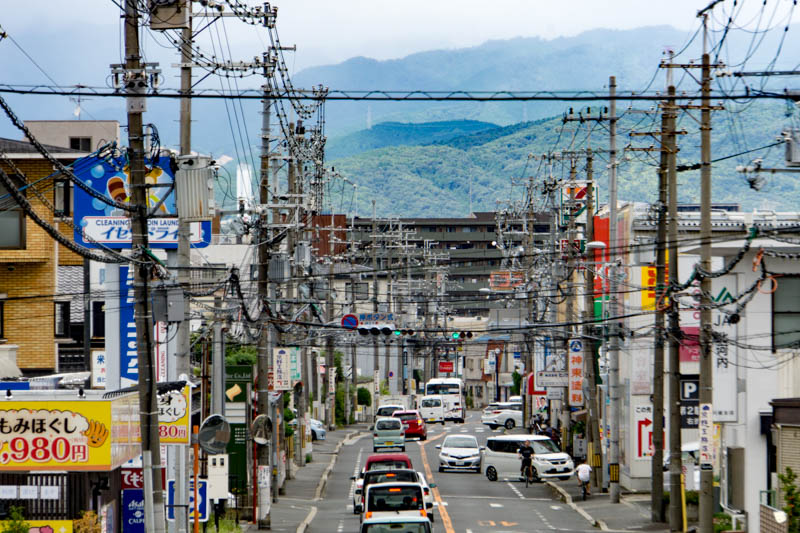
[(583, 471), (525, 452)]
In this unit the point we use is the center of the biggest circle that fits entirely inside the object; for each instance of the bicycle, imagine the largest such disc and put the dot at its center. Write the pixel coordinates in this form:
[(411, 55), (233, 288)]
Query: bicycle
[(528, 474), (584, 489)]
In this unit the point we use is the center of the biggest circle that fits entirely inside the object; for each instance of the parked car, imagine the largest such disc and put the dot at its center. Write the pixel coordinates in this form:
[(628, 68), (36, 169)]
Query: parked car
[(388, 433), (402, 524), (388, 410), (460, 452), (432, 409), (500, 459), (316, 427), (392, 476), (413, 423), (381, 461), (506, 414), (394, 499)]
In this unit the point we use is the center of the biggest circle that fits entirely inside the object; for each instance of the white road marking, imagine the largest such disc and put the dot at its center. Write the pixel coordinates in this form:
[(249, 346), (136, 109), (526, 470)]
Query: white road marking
[(468, 531), (555, 507), (340, 527), (544, 520), (496, 505), (356, 471), (516, 491)]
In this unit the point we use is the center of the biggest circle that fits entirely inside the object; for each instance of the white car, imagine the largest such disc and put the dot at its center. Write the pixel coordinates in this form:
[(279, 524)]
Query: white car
[(394, 499), (500, 460), (460, 452), (506, 414), (393, 475), (431, 408)]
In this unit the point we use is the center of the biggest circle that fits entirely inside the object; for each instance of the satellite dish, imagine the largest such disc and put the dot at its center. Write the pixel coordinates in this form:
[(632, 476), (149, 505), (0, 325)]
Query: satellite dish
[(215, 432), (262, 429)]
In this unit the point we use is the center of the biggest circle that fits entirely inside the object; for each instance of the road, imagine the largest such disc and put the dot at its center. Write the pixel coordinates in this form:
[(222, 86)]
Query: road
[(467, 502)]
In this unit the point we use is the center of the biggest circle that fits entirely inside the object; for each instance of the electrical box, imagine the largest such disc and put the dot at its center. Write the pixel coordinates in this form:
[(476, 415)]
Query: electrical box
[(279, 269), (218, 477), (302, 254), (168, 304), (169, 14), (792, 138)]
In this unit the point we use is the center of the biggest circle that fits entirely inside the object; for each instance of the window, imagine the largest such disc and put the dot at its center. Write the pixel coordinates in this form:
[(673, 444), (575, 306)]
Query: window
[(12, 223), (84, 144), (786, 312), (99, 319), (61, 198), (62, 319), (362, 291)]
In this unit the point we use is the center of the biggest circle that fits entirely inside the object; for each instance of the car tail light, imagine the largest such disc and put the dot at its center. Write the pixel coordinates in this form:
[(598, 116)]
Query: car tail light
[(422, 512), (368, 514), (496, 412), (419, 422), (375, 434)]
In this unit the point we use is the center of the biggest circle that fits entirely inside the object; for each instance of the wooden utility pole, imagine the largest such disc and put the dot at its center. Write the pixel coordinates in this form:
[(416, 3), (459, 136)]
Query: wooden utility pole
[(674, 330), (136, 85)]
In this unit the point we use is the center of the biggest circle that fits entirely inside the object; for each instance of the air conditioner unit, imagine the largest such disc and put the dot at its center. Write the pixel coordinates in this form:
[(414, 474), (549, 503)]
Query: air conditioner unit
[(792, 156)]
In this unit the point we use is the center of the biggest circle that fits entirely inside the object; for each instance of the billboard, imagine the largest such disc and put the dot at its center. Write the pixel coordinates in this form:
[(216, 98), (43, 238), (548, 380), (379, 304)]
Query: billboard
[(69, 435), (98, 223), (173, 416), (506, 280)]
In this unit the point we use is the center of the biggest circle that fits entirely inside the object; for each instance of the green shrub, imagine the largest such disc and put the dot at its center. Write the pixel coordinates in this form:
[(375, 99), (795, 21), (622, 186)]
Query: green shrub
[(15, 523), (791, 499), (722, 522), (364, 396)]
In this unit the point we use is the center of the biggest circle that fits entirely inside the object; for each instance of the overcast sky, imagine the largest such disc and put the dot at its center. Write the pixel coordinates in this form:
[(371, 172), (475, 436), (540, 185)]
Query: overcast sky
[(328, 31)]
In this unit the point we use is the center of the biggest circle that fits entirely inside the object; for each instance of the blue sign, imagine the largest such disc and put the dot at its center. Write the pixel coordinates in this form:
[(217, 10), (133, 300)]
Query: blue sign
[(129, 362), (350, 321), (133, 511), (202, 495), (97, 222)]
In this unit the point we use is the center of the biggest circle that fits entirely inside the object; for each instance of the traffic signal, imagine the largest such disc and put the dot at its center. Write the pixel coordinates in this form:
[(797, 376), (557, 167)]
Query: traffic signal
[(462, 335), (385, 330), (408, 332)]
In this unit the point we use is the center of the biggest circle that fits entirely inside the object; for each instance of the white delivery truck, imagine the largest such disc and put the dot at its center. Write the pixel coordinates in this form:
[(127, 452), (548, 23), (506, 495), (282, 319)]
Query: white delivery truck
[(431, 408)]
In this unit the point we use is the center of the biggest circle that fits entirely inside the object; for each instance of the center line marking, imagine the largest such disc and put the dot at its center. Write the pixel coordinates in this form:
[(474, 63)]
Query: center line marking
[(446, 522)]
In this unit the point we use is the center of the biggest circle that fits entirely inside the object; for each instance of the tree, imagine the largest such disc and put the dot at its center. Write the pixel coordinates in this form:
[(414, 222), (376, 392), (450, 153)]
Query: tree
[(515, 388), (242, 354), (16, 521), (791, 499), (87, 523), (364, 396)]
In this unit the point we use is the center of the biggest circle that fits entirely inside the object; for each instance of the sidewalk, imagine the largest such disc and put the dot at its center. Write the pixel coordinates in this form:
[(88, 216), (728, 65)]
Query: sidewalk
[(631, 514), (296, 507)]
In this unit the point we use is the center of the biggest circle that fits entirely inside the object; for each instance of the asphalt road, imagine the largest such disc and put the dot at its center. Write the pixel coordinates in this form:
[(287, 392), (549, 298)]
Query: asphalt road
[(466, 502)]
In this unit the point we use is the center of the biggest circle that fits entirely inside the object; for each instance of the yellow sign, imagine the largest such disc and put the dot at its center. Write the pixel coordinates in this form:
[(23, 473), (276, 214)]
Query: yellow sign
[(174, 410), (73, 435), (44, 526)]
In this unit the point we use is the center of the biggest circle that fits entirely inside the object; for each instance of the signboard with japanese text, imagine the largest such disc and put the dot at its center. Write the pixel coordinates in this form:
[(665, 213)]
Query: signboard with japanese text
[(173, 416), (129, 363), (200, 508), (506, 280), (706, 436), (690, 401), (69, 435), (281, 369), (575, 361), (99, 369), (446, 366), (132, 511), (98, 223), (552, 379), (295, 364), (375, 318)]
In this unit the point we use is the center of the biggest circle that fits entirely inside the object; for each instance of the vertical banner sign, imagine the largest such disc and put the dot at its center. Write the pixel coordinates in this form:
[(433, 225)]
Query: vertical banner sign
[(706, 437), (132, 511), (332, 382), (376, 386), (575, 359), (690, 401), (129, 365), (281, 369), (99, 368), (295, 365)]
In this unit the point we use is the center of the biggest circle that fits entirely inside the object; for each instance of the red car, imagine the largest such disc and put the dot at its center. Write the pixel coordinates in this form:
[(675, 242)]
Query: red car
[(413, 423)]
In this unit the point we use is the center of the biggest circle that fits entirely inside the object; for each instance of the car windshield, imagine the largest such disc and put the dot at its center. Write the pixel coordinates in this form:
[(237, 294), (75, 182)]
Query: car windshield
[(442, 388), (545, 446), (407, 416), (397, 527), (431, 403), (406, 498), (390, 477), (460, 442), (387, 411), (387, 465), (388, 424)]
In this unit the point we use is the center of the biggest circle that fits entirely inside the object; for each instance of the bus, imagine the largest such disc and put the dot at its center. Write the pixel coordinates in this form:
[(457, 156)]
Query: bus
[(451, 391)]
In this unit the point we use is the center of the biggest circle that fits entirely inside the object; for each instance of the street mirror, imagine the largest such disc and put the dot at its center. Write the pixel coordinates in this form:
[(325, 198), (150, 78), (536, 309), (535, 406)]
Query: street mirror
[(262, 429), (215, 432)]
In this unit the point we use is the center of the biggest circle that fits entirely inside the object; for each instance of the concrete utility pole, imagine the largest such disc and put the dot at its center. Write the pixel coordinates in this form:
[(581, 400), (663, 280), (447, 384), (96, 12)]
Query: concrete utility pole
[(375, 348), (613, 347), (671, 149), (657, 470), (264, 362), (593, 415), (330, 402), (136, 85), (706, 377)]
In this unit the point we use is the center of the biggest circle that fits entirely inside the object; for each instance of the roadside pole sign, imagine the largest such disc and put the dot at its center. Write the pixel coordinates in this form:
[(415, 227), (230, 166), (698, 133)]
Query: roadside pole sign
[(349, 321), (202, 495), (706, 437)]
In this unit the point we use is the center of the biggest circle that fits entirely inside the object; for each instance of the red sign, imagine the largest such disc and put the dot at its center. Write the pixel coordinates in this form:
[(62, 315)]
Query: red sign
[(446, 366), (132, 478), (690, 345)]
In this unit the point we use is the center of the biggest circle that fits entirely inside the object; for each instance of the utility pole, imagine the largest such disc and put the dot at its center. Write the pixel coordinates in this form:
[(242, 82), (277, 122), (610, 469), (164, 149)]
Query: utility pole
[(657, 461), (706, 377), (671, 149), (136, 84), (593, 415), (329, 345), (613, 348), (264, 361), (375, 349)]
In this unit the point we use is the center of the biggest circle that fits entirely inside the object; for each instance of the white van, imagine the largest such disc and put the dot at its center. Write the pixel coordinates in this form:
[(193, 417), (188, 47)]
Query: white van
[(431, 408), (500, 459)]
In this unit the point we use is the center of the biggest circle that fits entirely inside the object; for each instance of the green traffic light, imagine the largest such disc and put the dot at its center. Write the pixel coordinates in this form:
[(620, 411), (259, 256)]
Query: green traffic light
[(455, 335), (397, 332)]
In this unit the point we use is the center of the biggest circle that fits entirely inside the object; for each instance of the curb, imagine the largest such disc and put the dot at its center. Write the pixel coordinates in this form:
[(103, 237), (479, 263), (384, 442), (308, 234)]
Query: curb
[(568, 500), (307, 520), (323, 481)]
